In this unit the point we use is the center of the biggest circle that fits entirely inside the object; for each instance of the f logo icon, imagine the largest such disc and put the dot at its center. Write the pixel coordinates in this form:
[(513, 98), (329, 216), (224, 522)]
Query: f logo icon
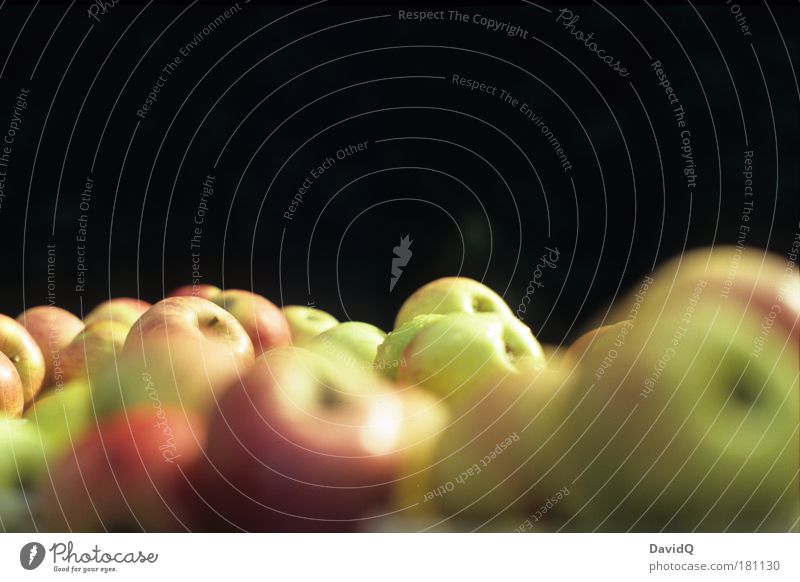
[(31, 555)]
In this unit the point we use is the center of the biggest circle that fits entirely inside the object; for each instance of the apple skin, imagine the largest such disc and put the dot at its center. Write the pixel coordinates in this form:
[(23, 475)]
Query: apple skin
[(124, 310), (389, 355), (12, 398), (202, 291), (263, 321), (184, 351), (353, 342), (459, 353), (96, 347), (126, 475), (306, 323), (496, 461), (20, 453), (593, 339), (18, 345), (53, 328), (304, 445), (452, 295), (687, 430)]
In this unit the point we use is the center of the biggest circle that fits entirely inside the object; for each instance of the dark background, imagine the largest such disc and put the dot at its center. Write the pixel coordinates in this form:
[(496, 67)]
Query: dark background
[(476, 185)]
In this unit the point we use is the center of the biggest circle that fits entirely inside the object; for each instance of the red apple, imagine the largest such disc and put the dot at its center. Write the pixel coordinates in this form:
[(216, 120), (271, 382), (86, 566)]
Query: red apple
[(125, 475), (203, 291), (304, 445), (53, 329), (124, 310), (12, 399), (261, 318), (20, 347)]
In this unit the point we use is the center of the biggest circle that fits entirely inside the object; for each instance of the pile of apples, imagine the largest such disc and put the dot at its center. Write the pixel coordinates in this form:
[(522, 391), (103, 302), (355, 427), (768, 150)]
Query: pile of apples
[(216, 410)]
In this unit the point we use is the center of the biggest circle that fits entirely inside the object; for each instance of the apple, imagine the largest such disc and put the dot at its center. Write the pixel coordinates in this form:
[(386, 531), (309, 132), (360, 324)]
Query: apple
[(389, 355), (459, 353), (12, 398), (305, 323), (18, 345), (53, 328), (61, 416), (592, 340), (496, 460), (302, 444), (452, 295), (126, 475), (93, 349), (202, 291), (19, 452), (184, 351), (693, 425), (261, 318), (353, 341), (124, 310)]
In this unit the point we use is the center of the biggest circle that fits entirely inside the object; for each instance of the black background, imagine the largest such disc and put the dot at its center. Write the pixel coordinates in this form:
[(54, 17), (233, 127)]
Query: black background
[(476, 186)]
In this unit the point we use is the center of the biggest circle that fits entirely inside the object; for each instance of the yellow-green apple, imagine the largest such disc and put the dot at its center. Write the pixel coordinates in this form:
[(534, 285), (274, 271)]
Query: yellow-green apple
[(93, 349), (452, 295), (306, 323), (459, 353), (496, 459), (354, 342), (554, 354), (124, 310), (203, 291), (53, 328), (183, 351), (12, 398), (19, 453), (20, 347), (389, 355), (126, 474), (302, 444), (694, 424), (263, 321)]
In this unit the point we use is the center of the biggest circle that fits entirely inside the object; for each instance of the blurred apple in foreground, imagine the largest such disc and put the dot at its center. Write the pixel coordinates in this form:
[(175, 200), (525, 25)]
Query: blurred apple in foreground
[(460, 353), (496, 460), (354, 341), (20, 453), (126, 475), (694, 424), (203, 291), (305, 323), (304, 445), (184, 351), (93, 349), (19, 347), (452, 295), (261, 318), (12, 398), (122, 310), (52, 328)]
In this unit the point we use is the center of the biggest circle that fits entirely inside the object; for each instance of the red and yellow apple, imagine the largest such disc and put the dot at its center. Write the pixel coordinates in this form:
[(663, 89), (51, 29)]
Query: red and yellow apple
[(12, 398), (53, 328), (263, 321), (123, 310), (19, 346)]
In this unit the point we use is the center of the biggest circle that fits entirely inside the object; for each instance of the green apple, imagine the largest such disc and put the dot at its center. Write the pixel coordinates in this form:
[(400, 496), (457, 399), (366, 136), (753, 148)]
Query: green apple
[(495, 460), (452, 295), (19, 346), (389, 355), (20, 455), (61, 416), (354, 341), (694, 424), (305, 323), (460, 353)]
